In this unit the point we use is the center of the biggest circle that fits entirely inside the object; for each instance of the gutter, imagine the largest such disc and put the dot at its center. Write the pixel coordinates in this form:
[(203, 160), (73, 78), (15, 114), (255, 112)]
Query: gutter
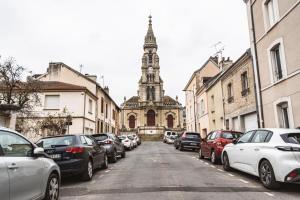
[(257, 86)]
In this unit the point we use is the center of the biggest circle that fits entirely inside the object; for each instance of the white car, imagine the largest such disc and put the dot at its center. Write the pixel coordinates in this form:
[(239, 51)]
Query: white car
[(26, 171), (271, 154), (133, 139), (128, 143), (168, 135)]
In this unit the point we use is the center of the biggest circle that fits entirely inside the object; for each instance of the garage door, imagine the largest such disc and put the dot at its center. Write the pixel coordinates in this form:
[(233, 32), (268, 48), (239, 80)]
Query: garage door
[(250, 121)]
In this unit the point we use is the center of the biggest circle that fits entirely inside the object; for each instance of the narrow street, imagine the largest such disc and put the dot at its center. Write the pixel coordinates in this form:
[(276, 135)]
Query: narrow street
[(157, 171)]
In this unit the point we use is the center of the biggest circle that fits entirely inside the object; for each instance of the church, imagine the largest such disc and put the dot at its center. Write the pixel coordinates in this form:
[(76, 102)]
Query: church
[(151, 111)]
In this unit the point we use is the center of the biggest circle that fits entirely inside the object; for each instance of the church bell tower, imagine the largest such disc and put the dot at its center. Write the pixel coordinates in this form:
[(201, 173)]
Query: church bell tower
[(150, 84)]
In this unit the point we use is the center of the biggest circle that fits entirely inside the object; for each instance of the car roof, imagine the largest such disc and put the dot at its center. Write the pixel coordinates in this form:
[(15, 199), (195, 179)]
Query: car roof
[(279, 130)]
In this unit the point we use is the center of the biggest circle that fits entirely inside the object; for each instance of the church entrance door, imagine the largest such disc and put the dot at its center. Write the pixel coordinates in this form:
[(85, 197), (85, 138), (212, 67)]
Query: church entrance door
[(151, 118)]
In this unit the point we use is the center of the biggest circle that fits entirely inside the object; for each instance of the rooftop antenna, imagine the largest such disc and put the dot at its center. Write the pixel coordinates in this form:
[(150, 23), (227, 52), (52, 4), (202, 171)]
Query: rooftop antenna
[(80, 67), (102, 77), (219, 48)]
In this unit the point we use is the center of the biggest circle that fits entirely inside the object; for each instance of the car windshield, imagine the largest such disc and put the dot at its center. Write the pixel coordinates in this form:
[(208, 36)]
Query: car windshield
[(230, 135), (100, 137), (56, 141), (122, 137), (192, 135), (293, 138), (130, 137)]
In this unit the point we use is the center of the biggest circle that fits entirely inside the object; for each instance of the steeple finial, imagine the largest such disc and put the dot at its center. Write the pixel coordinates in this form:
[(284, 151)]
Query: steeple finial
[(150, 19)]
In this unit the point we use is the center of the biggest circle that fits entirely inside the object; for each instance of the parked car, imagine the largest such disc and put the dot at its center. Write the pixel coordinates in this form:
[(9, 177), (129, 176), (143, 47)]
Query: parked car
[(128, 144), (134, 141), (168, 134), (75, 154), (171, 139), (271, 154), (137, 138), (112, 144), (212, 146), (26, 171), (188, 140)]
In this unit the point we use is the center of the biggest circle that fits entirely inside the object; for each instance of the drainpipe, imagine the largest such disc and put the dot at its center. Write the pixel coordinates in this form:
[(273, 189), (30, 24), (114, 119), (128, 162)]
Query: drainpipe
[(259, 108), (83, 129)]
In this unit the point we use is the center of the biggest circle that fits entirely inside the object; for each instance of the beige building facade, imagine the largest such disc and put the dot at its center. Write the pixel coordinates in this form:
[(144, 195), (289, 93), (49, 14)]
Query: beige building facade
[(65, 91), (151, 111), (275, 33), (239, 95)]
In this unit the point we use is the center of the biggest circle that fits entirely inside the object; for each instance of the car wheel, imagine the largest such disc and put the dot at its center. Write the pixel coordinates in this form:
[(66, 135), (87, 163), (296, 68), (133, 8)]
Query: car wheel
[(200, 154), (114, 158), (226, 164), (52, 191), (180, 147), (105, 164), (88, 172), (267, 176), (213, 158), (123, 155)]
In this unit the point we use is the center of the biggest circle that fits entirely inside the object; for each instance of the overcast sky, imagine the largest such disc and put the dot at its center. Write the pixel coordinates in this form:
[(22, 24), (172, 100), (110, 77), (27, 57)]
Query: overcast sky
[(107, 37)]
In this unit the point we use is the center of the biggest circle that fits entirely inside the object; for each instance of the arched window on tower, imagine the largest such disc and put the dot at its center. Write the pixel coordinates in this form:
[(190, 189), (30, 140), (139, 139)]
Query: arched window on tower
[(132, 121), (153, 93), (148, 93), (150, 55), (170, 121)]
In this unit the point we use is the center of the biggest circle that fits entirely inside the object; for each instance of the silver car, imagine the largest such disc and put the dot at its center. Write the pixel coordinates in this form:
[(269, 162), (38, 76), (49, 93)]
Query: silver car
[(25, 171)]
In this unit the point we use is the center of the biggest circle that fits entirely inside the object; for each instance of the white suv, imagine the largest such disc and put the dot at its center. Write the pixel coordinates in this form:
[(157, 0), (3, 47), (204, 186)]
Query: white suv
[(169, 137), (25, 170)]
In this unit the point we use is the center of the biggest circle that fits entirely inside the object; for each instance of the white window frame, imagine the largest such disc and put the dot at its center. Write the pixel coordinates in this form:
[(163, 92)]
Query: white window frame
[(290, 111), (279, 42), (52, 108), (267, 22)]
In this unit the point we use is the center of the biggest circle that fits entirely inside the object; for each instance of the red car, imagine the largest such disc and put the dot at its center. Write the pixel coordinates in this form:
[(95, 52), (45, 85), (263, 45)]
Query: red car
[(212, 146)]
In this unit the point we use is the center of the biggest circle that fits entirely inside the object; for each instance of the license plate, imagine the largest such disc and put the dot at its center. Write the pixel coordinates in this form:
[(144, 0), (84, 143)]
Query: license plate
[(193, 144), (55, 156)]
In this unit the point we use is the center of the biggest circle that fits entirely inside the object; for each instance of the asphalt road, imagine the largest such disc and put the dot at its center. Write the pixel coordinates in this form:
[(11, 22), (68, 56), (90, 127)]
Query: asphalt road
[(157, 171)]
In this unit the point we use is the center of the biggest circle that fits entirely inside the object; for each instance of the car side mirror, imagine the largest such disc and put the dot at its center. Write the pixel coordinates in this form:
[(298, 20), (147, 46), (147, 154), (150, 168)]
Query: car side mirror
[(234, 141), (100, 143), (38, 151)]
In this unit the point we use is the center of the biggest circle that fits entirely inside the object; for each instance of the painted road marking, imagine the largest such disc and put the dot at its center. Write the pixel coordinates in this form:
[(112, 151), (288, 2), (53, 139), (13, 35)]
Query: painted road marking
[(243, 181), (269, 194), (107, 171), (206, 163), (212, 166), (220, 170), (230, 174)]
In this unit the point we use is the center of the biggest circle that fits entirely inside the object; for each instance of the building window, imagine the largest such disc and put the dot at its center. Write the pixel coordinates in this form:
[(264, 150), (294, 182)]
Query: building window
[(245, 85), (102, 105), (271, 12), (212, 103), (229, 93), (283, 115), (51, 102), (132, 121), (150, 57), (227, 124), (202, 107), (90, 106), (114, 114), (101, 127), (170, 121), (276, 62), (106, 110)]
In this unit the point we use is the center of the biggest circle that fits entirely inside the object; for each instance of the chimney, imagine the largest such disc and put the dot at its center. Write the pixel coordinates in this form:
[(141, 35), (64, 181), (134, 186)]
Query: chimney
[(106, 89), (225, 63), (92, 77)]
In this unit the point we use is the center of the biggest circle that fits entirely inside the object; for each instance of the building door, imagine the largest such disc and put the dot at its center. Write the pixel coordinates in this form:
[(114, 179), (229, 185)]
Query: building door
[(132, 121), (151, 118), (170, 121), (250, 121)]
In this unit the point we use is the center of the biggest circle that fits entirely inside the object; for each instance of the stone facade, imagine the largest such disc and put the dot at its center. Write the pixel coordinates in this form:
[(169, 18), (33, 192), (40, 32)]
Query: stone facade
[(274, 44), (239, 103), (151, 112)]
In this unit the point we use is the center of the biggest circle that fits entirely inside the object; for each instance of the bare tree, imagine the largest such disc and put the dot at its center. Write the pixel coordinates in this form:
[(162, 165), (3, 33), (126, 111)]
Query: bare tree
[(15, 94)]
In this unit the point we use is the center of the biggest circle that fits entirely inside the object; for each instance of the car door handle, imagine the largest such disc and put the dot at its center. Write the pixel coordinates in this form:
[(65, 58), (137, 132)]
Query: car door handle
[(13, 166), (256, 149), (241, 149)]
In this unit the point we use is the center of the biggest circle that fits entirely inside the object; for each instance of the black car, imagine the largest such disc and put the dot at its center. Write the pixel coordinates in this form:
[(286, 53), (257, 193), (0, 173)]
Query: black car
[(188, 140), (112, 144), (75, 154)]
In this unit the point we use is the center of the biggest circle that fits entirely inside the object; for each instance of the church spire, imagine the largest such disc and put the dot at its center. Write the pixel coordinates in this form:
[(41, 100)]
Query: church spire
[(150, 40)]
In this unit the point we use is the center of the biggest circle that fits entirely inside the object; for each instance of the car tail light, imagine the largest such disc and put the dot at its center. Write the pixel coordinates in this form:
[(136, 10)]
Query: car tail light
[(292, 175), (74, 149), (287, 148), (108, 142)]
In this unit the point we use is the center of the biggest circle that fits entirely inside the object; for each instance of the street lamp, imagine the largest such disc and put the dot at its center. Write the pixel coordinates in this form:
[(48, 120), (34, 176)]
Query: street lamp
[(194, 100)]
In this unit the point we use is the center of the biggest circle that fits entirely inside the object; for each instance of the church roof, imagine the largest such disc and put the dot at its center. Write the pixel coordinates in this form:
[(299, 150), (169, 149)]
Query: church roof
[(134, 99), (167, 100)]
